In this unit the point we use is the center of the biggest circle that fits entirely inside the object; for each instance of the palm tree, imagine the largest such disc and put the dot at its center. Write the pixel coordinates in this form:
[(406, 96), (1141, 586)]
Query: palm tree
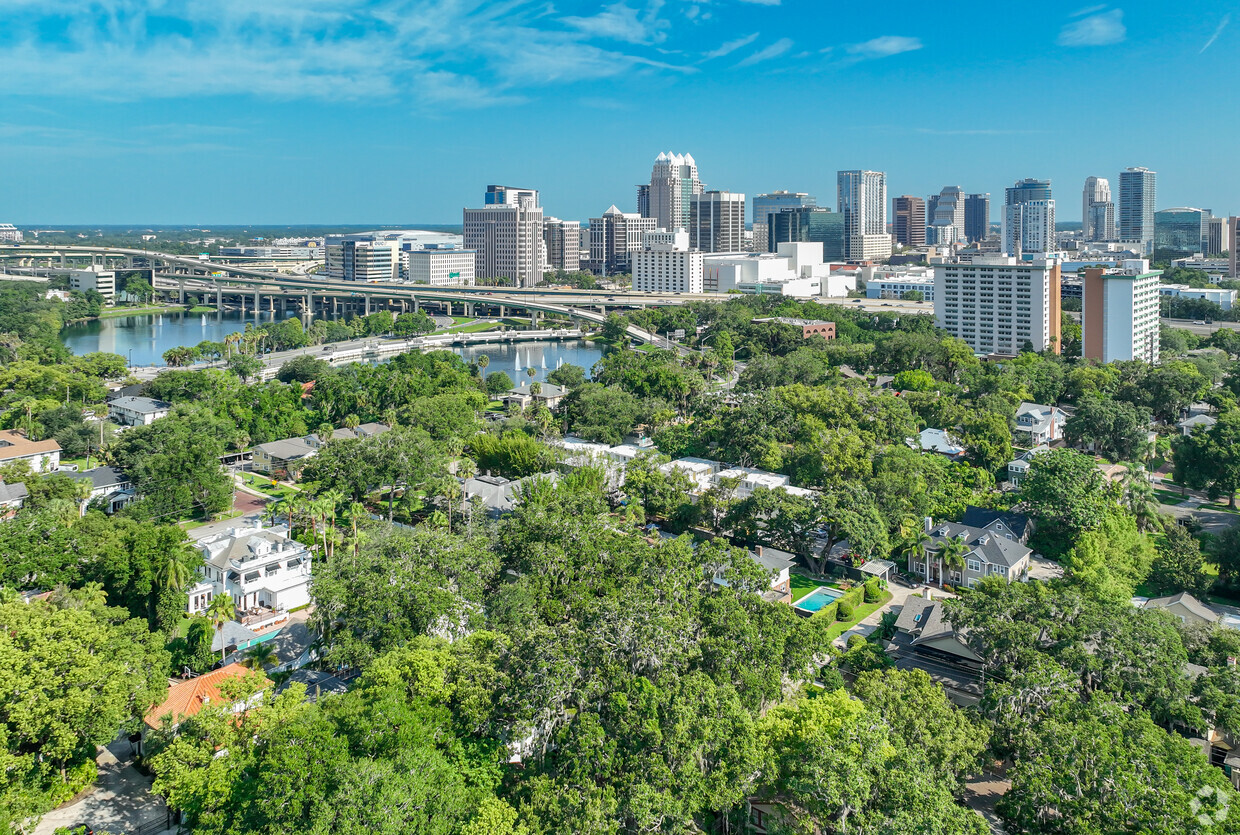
[(951, 555), (535, 388), (220, 611), (174, 572), (355, 513), (912, 547), (1140, 498), (483, 361), (531, 372), (260, 656), (466, 468)]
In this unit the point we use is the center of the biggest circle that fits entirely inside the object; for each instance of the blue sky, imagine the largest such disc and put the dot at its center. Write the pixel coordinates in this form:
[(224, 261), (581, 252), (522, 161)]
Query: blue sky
[(402, 111)]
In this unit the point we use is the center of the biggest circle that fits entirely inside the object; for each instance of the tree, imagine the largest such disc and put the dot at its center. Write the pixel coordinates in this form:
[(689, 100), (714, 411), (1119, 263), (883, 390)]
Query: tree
[(1067, 495), (600, 413), (1211, 458), (245, 366), (499, 383), (1180, 565), (951, 556), (260, 656), (568, 376), (303, 369), (1114, 428), (220, 611)]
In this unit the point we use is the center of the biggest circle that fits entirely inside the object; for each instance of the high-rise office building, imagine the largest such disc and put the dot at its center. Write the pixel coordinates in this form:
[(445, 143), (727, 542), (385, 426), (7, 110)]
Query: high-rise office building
[(976, 217), (506, 234), (1097, 210), (717, 221), (614, 238), (1000, 305), (946, 226), (862, 200), (909, 220), (666, 264), (810, 224), (1138, 189), (1216, 237), (1180, 232), (1029, 218), (361, 258), (1119, 313), (563, 241), (767, 204), (673, 182)]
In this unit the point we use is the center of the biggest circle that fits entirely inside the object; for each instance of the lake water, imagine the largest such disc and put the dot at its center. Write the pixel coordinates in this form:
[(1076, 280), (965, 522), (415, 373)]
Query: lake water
[(148, 337)]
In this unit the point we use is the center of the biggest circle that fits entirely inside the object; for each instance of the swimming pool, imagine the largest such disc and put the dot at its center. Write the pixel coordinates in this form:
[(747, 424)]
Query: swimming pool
[(818, 598)]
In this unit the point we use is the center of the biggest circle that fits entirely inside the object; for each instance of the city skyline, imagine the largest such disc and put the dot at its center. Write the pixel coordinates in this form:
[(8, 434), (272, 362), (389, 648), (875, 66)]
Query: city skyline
[(362, 113)]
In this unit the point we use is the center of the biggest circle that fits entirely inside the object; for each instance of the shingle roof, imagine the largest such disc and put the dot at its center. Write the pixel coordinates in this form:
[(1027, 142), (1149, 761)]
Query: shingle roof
[(141, 405), (13, 492), (1188, 602), (187, 698), (101, 477), (990, 546), (13, 444), (288, 449), (980, 517)]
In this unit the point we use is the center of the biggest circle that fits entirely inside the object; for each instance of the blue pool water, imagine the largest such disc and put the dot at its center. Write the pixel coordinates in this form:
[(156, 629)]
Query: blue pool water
[(821, 596)]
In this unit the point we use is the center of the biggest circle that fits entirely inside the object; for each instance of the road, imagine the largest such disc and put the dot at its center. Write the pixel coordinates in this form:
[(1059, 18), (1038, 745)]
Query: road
[(1198, 327)]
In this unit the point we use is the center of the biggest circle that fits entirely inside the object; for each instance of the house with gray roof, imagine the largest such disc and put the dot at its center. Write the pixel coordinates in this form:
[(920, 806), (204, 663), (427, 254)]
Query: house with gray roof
[(137, 411), (1003, 522), (275, 457), (988, 553), (263, 570), (926, 640), (1187, 608), (937, 440), (1037, 424), (549, 395), (109, 486), (499, 495), (365, 430), (1187, 425), (12, 497)]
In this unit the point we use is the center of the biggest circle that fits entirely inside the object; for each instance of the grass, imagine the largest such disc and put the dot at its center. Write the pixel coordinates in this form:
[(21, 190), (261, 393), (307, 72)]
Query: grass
[(1169, 496), (801, 585), (263, 485), (114, 312), (860, 613), (80, 462), (477, 327), (202, 308), (198, 523)]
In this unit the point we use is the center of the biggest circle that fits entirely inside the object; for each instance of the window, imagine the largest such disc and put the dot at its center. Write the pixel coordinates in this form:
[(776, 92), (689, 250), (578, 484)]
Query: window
[(974, 565)]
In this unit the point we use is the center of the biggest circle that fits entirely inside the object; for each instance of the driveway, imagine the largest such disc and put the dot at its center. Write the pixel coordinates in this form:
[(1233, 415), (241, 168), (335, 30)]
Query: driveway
[(120, 800), (899, 594)]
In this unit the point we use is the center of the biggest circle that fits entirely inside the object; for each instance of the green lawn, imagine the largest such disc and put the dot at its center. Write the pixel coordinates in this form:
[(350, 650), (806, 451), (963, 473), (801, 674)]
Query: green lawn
[(860, 613), (202, 308), (263, 485), (1169, 496), (801, 585), (198, 523), (80, 462), (113, 312)]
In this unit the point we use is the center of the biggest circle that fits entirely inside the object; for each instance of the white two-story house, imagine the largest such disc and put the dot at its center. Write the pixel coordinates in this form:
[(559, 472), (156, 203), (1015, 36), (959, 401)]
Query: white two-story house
[(265, 572), (1037, 424)]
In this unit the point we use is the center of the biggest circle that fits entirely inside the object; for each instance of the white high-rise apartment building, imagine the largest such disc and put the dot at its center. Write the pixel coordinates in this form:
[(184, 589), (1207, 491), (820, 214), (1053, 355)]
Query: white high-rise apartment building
[(361, 258), (673, 182), (563, 242), (507, 235), (439, 266), (1029, 227), (947, 224), (10, 233), (1097, 210), (1138, 189), (862, 199), (1119, 313), (666, 264), (999, 305), (717, 221)]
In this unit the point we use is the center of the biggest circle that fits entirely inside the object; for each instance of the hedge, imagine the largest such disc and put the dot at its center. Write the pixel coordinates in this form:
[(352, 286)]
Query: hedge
[(873, 593), (845, 611)]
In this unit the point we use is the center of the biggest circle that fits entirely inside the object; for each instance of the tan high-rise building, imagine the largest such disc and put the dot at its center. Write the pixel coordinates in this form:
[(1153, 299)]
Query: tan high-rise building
[(563, 241), (1000, 305), (614, 238), (507, 235), (910, 221), (673, 182), (717, 221), (1233, 258)]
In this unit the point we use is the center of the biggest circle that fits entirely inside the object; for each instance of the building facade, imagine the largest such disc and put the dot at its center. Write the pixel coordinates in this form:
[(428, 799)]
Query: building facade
[(506, 235), (439, 266), (1180, 232), (673, 182), (774, 202), (899, 287), (1138, 189), (809, 225), (1216, 241), (562, 238), (1000, 305), (976, 217), (614, 238), (10, 234), (1119, 313), (94, 278), (717, 221), (946, 226), (1233, 236), (257, 567), (666, 264), (361, 258), (909, 214), (862, 200), (1097, 210), (1029, 218)]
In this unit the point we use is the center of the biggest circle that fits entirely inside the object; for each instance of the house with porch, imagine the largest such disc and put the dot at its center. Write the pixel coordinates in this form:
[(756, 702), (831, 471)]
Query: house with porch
[(1037, 424), (278, 458), (109, 486), (263, 570), (549, 395), (926, 640), (987, 553)]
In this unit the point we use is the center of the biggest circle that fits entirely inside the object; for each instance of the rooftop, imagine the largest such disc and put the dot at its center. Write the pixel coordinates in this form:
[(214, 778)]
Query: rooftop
[(187, 698), (13, 444), (141, 405)]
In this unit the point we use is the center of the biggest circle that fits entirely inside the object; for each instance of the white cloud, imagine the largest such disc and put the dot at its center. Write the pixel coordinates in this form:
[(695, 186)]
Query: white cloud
[(767, 53), (884, 46), (1099, 29), (1222, 24), (731, 46), (621, 22)]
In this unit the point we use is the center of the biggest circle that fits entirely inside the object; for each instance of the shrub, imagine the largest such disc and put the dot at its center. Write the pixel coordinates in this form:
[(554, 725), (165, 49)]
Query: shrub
[(854, 639), (844, 610), (827, 613), (873, 593), (831, 678)]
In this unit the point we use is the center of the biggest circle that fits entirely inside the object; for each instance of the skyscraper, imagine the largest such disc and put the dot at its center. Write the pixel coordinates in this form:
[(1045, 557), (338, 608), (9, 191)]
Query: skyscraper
[(1029, 218), (673, 182), (1000, 305), (614, 238), (947, 223), (910, 220), (563, 241), (507, 235), (809, 224), (1137, 191), (1119, 313), (1180, 232), (976, 217), (1216, 237), (862, 199), (1233, 256), (767, 204), (717, 221), (1097, 210)]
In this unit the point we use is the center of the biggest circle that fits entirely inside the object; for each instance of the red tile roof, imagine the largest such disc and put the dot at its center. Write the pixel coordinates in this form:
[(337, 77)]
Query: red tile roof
[(186, 698)]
